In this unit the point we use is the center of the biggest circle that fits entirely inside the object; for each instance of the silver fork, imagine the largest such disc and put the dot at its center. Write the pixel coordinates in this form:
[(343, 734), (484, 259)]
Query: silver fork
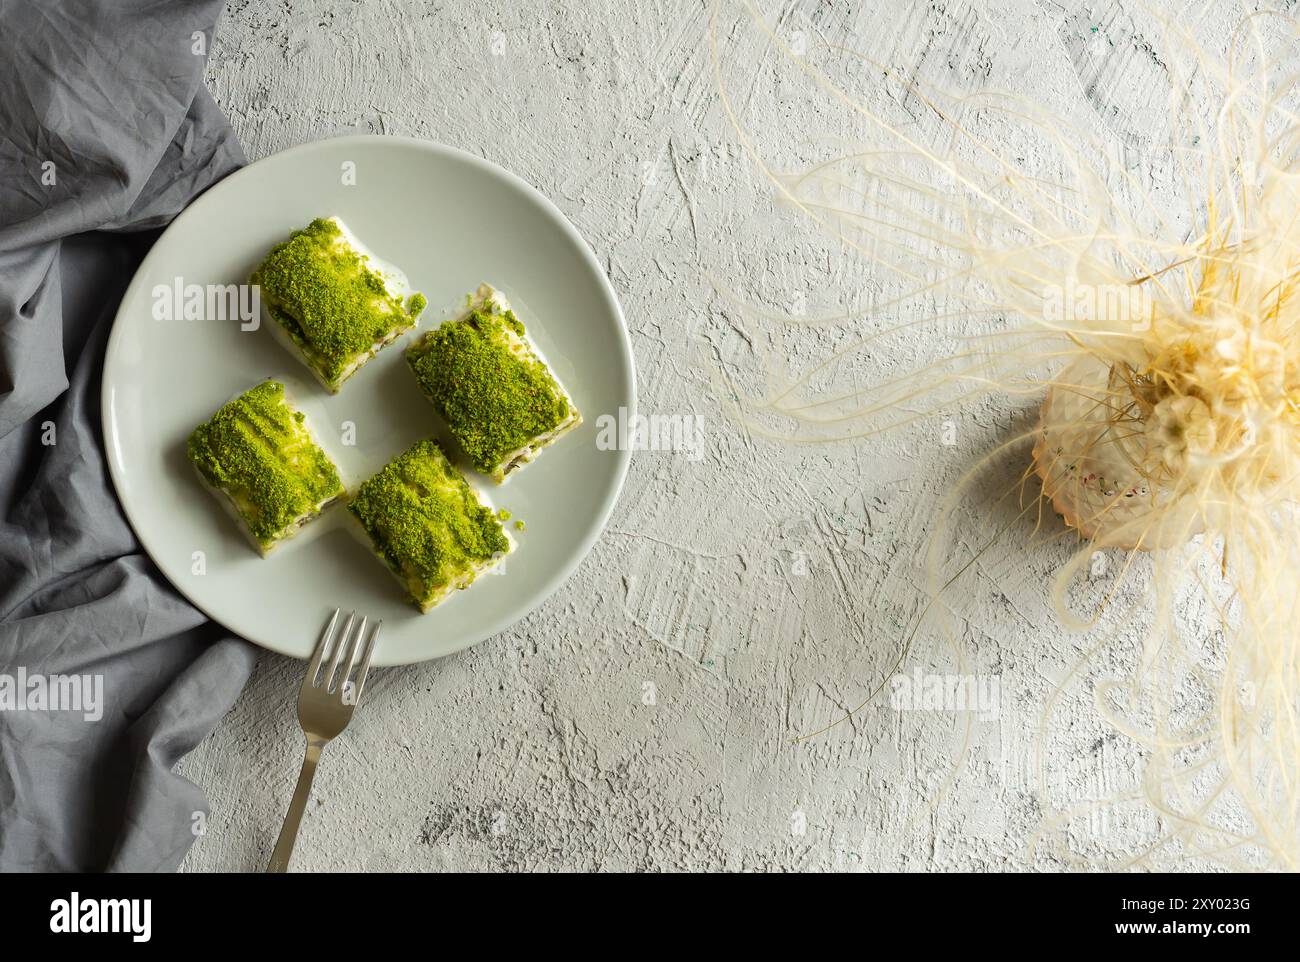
[(324, 709)]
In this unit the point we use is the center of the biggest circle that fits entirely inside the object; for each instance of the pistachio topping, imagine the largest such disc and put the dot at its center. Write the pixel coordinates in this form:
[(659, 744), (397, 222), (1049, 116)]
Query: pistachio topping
[(427, 524), (485, 381), (330, 300), (258, 452)]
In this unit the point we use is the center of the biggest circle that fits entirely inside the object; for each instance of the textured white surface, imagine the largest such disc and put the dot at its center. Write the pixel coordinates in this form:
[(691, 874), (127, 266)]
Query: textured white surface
[(755, 592)]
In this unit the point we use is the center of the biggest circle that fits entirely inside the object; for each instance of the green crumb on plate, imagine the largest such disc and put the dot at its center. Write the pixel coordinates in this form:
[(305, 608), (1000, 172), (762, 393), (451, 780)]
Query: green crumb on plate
[(520, 525), (333, 305), (499, 399), (427, 524), (257, 451), (503, 514)]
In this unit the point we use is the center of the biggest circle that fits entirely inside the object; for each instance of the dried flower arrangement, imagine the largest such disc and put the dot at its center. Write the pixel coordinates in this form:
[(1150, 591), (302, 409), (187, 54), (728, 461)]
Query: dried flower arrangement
[(1165, 351)]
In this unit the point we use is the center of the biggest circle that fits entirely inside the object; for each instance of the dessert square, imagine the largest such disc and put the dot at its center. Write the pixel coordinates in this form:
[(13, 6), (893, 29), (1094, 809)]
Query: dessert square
[(488, 381), (428, 525), (258, 457), (331, 302)]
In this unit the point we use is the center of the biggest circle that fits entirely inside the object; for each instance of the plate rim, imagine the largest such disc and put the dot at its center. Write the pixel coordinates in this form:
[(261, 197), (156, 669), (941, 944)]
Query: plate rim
[(599, 518)]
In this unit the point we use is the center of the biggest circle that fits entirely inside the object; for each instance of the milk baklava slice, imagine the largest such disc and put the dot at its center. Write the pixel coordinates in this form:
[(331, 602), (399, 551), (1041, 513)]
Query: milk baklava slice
[(487, 380), (428, 525), (331, 302), (258, 457)]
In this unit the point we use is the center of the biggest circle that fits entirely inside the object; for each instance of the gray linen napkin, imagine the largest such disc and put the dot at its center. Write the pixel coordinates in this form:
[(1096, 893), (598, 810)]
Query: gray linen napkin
[(105, 127)]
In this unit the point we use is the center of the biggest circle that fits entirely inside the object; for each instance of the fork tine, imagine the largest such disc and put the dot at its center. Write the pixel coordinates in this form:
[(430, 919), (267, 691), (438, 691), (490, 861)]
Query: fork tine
[(364, 670), (354, 649), (343, 644), (322, 647)]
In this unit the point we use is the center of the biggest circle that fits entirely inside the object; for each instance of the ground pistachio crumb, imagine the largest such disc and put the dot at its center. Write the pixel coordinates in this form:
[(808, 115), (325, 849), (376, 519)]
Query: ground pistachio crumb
[(329, 299), (495, 397), (426, 522), (257, 450)]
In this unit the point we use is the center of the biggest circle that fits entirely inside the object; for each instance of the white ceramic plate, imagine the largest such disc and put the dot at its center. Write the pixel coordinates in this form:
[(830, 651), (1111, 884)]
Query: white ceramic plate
[(450, 221)]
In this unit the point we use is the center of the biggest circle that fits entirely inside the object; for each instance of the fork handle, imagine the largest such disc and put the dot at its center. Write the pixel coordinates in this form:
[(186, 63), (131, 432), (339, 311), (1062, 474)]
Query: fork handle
[(289, 834)]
